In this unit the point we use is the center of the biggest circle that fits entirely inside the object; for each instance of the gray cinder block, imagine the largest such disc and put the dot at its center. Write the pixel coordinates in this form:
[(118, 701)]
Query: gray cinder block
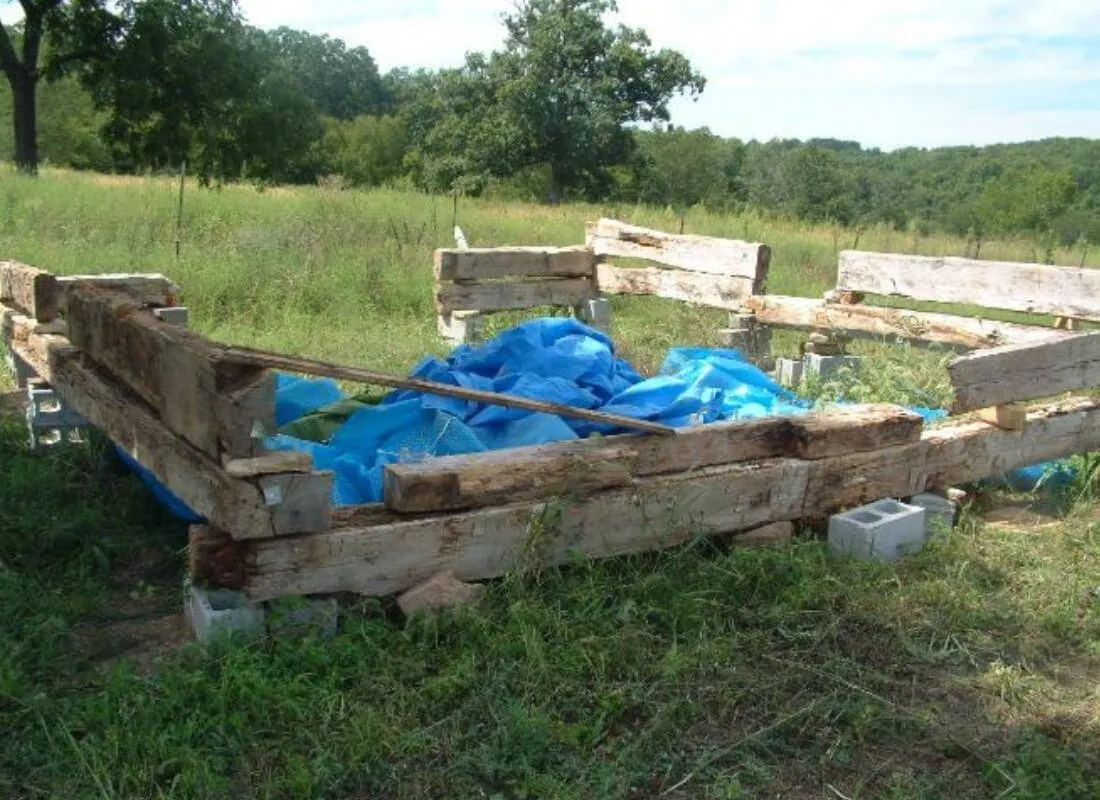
[(214, 613), (884, 530), (825, 367)]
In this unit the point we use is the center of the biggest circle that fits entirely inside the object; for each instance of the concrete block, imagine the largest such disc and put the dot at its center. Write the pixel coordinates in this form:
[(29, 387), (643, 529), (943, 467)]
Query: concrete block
[(826, 367), (47, 409), (461, 326), (177, 315), (885, 530), (940, 511), (595, 313), (788, 372), (214, 613), (303, 616)]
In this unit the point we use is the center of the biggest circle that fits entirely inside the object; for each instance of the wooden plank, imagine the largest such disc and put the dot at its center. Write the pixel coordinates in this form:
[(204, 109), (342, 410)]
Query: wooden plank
[(270, 464), (580, 468), (1011, 417), (32, 290), (480, 264), (713, 291), (213, 404), (924, 327), (1032, 288), (387, 556), (451, 297), (247, 357), (706, 254), (152, 289), (1025, 372), (231, 504)]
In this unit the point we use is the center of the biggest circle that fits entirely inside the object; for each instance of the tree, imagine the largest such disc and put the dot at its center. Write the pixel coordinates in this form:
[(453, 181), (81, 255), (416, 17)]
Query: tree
[(53, 37), (560, 93)]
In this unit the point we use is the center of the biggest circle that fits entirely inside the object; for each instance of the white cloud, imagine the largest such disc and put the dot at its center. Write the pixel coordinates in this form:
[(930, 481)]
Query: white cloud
[(885, 72)]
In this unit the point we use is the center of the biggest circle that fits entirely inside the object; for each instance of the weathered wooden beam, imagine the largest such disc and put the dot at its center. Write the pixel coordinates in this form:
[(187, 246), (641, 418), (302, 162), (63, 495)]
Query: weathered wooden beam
[(579, 468), (150, 289), (713, 291), (1032, 288), (481, 264), (706, 254), (246, 510), (451, 297), (1011, 417), (1025, 372), (214, 405), (387, 553), (804, 313), (32, 290)]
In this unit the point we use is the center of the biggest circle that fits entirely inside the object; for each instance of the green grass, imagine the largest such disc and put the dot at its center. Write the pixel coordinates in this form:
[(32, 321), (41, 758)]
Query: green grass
[(706, 671)]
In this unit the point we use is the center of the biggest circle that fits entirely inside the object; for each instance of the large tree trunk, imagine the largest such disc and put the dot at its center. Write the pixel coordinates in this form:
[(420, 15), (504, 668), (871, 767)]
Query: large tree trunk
[(25, 120)]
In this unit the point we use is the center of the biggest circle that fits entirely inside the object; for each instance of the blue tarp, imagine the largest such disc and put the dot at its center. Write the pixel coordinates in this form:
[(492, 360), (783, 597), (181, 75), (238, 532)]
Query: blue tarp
[(558, 360)]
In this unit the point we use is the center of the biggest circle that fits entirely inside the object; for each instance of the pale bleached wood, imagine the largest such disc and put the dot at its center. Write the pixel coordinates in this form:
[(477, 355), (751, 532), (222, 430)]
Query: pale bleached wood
[(1025, 372), (32, 290), (269, 464), (1033, 288), (1010, 417), (481, 264), (149, 289), (923, 327), (451, 297), (578, 468), (390, 554), (213, 404), (713, 291), (706, 254)]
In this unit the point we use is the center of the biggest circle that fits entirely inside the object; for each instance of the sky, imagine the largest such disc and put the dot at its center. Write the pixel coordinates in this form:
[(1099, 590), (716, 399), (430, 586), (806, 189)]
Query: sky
[(887, 73)]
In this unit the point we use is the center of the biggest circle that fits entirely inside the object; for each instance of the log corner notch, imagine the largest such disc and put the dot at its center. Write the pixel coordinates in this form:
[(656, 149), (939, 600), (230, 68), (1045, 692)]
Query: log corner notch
[(33, 291), (213, 403)]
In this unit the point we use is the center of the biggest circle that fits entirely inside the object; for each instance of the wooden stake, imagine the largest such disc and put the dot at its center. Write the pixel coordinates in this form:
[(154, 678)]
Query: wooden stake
[(261, 358)]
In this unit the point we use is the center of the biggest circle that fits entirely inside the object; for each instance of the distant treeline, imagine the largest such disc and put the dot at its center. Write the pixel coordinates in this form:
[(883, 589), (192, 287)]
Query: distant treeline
[(285, 106)]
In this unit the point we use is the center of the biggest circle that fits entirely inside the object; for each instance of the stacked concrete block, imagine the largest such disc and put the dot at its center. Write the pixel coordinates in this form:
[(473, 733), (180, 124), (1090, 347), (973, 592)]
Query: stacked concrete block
[(788, 372), (940, 511), (751, 339), (826, 367), (885, 531), (49, 419), (595, 313), (461, 327), (218, 613)]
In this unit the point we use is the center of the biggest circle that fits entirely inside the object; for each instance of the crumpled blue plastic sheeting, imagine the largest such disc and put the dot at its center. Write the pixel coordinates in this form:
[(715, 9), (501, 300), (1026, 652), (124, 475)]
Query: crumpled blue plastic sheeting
[(558, 360)]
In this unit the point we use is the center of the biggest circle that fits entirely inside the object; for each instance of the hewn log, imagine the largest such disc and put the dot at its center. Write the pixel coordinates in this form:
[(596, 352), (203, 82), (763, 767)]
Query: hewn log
[(389, 554), (150, 289), (451, 297), (713, 291), (1025, 372), (1032, 288), (34, 291), (969, 333), (580, 468), (473, 265), (214, 405), (706, 254)]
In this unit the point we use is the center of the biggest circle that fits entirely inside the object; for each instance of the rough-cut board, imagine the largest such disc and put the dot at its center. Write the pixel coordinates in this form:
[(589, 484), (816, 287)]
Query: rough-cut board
[(474, 265), (1034, 288), (706, 254), (968, 333), (714, 291), (391, 554), (32, 290), (181, 374), (146, 290), (583, 467), (231, 504), (1025, 372), (451, 297)]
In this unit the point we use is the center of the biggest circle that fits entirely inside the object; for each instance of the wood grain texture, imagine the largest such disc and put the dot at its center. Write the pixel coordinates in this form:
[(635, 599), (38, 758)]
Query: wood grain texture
[(967, 333), (1025, 372), (481, 264), (151, 289), (584, 467), (32, 290), (1033, 288), (389, 554), (713, 291), (451, 297), (706, 254), (182, 375)]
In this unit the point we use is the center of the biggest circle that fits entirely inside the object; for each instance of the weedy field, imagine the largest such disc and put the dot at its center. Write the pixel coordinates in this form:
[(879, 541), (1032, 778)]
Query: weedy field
[(709, 671)]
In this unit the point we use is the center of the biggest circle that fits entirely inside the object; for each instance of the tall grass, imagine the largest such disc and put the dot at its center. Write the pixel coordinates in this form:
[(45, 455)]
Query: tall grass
[(347, 274)]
